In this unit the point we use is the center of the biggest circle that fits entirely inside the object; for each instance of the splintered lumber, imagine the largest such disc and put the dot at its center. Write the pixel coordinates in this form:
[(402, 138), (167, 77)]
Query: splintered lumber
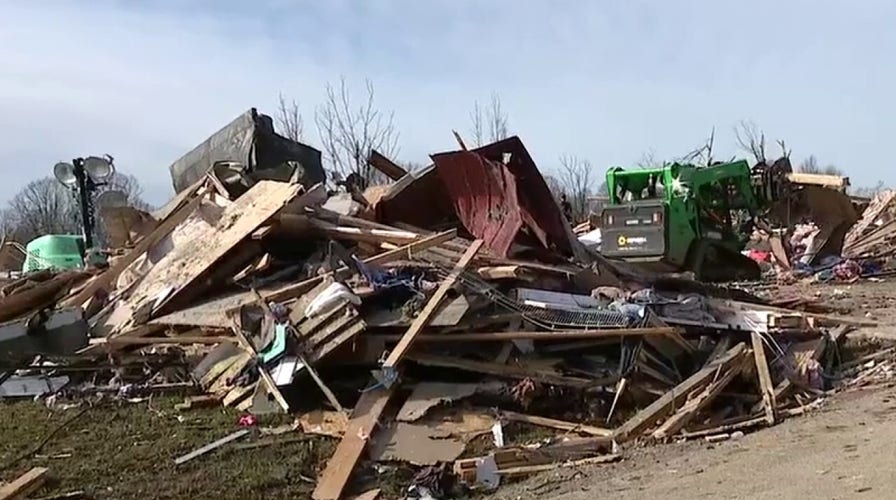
[(120, 264), (555, 424), (358, 431), (509, 371), (185, 263), (656, 410), (693, 406), (24, 485), (434, 302), (211, 446), (769, 402), (786, 385), (406, 252)]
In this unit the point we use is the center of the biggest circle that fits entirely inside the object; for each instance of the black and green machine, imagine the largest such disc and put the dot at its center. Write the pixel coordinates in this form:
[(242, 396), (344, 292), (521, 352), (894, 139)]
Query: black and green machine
[(686, 217)]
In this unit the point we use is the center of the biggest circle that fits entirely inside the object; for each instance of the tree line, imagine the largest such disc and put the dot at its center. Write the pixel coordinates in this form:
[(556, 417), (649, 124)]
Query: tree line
[(349, 127)]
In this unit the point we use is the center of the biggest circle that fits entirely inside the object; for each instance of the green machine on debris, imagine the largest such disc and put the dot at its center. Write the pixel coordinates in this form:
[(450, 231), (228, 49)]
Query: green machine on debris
[(685, 217)]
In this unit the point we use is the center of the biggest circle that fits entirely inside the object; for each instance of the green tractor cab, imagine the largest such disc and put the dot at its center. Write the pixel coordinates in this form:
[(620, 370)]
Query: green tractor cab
[(684, 217)]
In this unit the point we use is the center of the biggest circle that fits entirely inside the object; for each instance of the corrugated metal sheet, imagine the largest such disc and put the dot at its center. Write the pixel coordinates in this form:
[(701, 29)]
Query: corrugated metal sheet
[(484, 195), (496, 201)]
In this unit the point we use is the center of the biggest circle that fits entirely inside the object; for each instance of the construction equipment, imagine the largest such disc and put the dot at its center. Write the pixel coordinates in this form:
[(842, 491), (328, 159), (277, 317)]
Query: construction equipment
[(685, 217)]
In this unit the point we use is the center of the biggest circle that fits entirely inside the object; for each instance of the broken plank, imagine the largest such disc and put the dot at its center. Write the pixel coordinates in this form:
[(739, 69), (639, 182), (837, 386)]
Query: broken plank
[(211, 446), (422, 319), (765, 378), (681, 418), (364, 419), (555, 424), (509, 371), (526, 470), (647, 417), (24, 485), (389, 168)]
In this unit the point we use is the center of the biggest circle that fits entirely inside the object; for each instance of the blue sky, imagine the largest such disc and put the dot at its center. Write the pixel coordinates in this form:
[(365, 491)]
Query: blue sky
[(607, 81)]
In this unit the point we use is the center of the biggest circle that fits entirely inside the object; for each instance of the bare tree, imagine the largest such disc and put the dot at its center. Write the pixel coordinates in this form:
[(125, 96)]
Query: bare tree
[(703, 154), (577, 182), (289, 120), (43, 207), (751, 140), (46, 207), (811, 166), (348, 132), (489, 123)]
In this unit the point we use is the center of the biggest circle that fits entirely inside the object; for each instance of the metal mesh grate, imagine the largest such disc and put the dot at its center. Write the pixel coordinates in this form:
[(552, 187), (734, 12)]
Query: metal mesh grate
[(549, 319)]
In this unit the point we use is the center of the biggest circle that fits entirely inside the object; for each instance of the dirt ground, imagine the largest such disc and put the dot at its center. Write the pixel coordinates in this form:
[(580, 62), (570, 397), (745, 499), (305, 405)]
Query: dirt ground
[(126, 451), (841, 451)]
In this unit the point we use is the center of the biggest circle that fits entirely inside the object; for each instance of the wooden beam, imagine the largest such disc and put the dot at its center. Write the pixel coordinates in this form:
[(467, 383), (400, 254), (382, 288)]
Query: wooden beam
[(119, 265), (389, 168), (358, 431), (548, 336), (422, 319), (24, 485), (180, 340), (555, 424), (396, 236), (648, 416), (769, 402), (211, 446)]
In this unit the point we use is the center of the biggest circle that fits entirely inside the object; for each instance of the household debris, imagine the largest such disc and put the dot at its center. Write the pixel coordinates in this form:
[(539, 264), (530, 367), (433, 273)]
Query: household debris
[(432, 316)]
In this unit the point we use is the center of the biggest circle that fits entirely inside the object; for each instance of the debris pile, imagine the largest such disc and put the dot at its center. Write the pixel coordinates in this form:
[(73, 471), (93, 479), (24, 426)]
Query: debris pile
[(411, 320)]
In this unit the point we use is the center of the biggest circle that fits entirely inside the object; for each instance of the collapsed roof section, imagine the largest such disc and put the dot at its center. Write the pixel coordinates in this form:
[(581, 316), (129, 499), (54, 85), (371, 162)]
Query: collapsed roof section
[(250, 139)]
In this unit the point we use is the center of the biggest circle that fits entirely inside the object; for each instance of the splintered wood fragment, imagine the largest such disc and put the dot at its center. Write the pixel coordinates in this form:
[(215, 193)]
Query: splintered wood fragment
[(673, 398), (422, 319), (211, 446), (769, 402), (364, 419), (692, 407), (556, 424), (24, 485)]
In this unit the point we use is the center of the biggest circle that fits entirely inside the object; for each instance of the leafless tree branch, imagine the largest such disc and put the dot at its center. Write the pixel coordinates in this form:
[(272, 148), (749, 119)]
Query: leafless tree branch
[(489, 124), (348, 132), (577, 182), (751, 140), (289, 119)]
